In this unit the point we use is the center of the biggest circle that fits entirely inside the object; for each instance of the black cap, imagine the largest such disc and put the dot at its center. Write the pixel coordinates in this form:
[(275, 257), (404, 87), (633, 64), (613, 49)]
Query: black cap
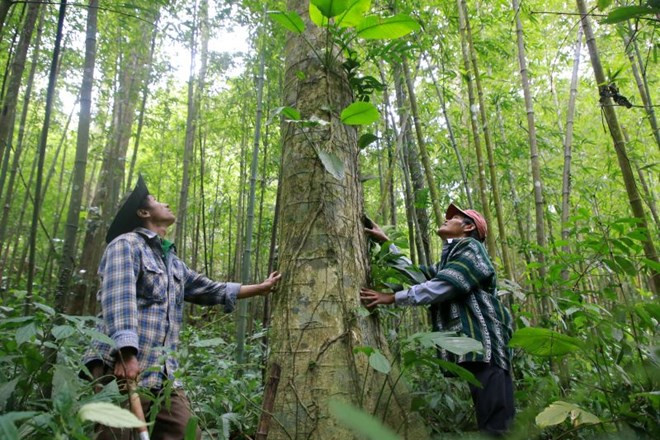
[(126, 218)]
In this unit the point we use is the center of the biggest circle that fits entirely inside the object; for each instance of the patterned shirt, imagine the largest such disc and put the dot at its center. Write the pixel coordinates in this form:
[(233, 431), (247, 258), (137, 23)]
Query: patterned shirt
[(462, 291), (141, 296)]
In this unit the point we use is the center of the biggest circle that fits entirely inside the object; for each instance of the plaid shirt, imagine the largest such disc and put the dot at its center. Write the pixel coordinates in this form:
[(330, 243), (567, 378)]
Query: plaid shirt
[(141, 298)]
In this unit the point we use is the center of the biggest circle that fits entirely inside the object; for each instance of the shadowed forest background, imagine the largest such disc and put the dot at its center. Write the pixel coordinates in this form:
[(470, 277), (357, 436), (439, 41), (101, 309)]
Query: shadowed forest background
[(271, 128)]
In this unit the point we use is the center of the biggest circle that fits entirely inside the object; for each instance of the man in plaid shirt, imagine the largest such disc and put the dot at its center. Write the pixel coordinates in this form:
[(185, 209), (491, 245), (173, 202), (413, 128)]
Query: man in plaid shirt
[(143, 287)]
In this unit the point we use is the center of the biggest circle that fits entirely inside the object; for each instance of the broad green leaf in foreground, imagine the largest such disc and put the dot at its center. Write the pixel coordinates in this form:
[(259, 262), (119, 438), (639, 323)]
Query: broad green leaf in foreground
[(360, 113), (109, 415), (290, 20), (379, 362), (366, 139), (330, 8), (544, 342), (558, 411), (360, 422), (377, 28), (354, 13), (332, 164)]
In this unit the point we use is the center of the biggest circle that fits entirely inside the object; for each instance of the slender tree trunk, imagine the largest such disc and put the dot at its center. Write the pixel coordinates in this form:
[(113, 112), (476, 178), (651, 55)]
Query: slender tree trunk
[(421, 143), (619, 144), (539, 203), (182, 207), (8, 110), (249, 226), (506, 260), (642, 85), (413, 169), (43, 142), (6, 206), (5, 5), (323, 262), (143, 105), (568, 144), (389, 177), (450, 131), (483, 186)]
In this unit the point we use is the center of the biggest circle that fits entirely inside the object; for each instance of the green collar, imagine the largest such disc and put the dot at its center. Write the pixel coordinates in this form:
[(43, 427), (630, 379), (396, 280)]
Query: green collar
[(166, 245)]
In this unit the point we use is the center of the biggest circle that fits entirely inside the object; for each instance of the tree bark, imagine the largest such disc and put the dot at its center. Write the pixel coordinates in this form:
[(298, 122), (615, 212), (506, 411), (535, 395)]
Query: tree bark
[(5, 5), (323, 261), (619, 144)]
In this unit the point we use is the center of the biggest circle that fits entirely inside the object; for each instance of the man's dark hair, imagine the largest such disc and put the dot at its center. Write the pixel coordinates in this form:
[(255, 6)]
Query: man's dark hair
[(144, 204), (473, 233)]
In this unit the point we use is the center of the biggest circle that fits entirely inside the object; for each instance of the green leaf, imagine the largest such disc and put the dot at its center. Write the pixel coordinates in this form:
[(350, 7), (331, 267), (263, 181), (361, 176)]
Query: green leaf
[(290, 20), (627, 12), (98, 336), (109, 415), (330, 8), (62, 331), (459, 371), (26, 333), (291, 113), (360, 422), (332, 164), (379, 362), (459, 345), (360, 113), (374, 27), (364, 349), (366, 139), (191, 429), (603, 4), (544, 342), (46, 309), (8, 430), (6, 390), (317, 16), (214, 342), (558, 411), (354, 13)]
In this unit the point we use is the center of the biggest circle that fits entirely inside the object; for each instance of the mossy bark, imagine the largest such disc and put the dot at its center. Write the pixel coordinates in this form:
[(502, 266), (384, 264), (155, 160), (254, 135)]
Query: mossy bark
[(316, 322)]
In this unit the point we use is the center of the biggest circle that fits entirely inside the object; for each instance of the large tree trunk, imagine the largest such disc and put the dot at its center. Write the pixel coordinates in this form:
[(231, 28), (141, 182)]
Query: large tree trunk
[(619, 143), (539, 203), (322, 257)]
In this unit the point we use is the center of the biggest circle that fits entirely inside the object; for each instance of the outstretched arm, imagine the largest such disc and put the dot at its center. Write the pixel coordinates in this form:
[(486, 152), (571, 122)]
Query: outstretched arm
[(264, 288)]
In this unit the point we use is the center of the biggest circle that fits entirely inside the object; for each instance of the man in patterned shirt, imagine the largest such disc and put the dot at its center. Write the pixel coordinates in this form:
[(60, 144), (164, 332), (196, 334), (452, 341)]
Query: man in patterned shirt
[(143, 287), (462, 292)]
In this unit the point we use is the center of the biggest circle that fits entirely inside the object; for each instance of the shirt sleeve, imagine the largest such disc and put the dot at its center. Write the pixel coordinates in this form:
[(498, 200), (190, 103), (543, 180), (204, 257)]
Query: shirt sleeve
[(119, 271), (200, 290), (430, 292)]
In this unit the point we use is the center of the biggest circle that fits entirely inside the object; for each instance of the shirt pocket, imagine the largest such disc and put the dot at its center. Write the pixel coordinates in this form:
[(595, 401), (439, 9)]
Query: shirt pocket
[(152, 287)]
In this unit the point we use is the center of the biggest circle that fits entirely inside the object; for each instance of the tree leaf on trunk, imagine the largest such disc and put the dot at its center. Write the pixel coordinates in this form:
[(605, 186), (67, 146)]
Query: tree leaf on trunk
[(330, 8), (374, 27), (290, 20), (332, 164), (379, 362), (366, 139), (360, 113)]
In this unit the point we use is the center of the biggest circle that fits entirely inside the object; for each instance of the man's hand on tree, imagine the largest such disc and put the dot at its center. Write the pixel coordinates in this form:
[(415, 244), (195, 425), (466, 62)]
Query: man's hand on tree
[(373, 298), (270, 283), (376, 233), (126, 366)]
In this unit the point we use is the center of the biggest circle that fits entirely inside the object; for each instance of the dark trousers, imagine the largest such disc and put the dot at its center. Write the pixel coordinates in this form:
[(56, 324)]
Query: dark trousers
[(493, 402)]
